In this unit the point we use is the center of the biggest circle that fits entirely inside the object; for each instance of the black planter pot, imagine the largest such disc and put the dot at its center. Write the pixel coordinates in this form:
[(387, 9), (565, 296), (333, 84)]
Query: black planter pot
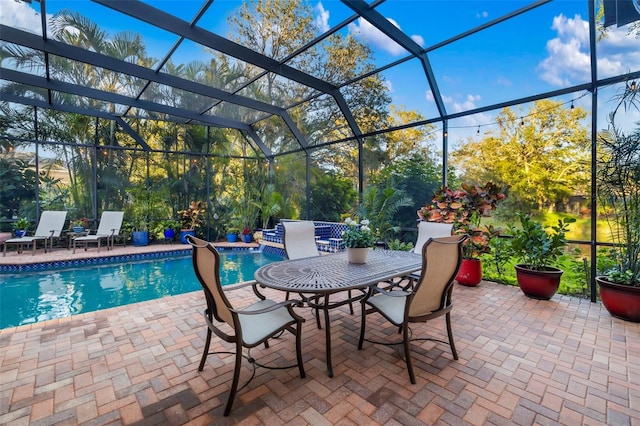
[(622, 301), (538, 284)]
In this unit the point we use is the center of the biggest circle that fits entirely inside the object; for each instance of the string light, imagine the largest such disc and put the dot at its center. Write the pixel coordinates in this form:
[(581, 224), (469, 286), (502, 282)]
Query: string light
[(633, 86)]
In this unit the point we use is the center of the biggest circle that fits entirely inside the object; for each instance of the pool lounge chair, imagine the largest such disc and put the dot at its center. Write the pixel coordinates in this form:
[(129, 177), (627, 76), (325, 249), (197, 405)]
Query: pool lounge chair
[(49, 227), (108, 229)]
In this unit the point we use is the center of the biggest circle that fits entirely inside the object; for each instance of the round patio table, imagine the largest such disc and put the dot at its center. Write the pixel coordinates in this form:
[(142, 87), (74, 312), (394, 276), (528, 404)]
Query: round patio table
[(316, 278)]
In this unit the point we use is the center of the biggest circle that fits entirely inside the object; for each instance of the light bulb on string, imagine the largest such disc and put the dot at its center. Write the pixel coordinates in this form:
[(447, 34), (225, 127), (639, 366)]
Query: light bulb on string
[(478, 131), (632, 87), (521, 121), (571, 104)]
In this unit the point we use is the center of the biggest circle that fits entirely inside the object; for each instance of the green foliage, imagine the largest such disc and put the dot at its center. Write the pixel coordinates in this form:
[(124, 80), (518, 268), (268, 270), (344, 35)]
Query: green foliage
[(18, 185), (534, 245), (399, 245), (538, 160), (415, 176), (619, 191), (22, 224), (331, 195), (381, 204)]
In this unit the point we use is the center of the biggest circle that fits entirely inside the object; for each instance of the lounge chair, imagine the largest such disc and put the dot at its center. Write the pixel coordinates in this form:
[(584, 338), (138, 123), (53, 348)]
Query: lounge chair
[(108, 229), (428, 299), (250, 326), (49, 227)]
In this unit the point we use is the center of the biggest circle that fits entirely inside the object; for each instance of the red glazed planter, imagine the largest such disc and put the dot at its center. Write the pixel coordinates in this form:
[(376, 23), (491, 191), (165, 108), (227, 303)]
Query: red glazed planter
[(538, 284), (622, 301), (470, 273)]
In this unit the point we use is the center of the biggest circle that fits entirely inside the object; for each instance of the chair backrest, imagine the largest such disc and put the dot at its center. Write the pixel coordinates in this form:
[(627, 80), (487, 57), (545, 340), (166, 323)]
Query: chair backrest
[(299, 239), (51, 221), (110, 223), (206, 265), (441, 258), (428, 230)]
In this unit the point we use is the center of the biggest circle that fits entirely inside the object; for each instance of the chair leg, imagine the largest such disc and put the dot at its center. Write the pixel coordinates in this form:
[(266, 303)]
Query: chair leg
[(207, 343), (236, 379), (450, 333), (407, 353), (363, 323), (299, 349)]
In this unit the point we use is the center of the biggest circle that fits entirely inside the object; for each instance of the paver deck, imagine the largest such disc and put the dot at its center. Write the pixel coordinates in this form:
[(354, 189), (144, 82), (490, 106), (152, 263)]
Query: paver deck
[(522, 362)]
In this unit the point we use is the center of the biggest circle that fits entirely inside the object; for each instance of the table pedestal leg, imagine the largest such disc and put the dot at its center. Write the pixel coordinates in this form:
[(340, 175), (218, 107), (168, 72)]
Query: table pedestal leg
[(327, 331)]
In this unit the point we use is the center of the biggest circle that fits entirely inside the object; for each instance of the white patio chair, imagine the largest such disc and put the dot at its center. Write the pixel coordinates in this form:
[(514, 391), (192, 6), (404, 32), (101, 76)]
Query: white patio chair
[(299, 239), (49, 227), (428, 230), (428, 299), (108, 229), (250, 326)]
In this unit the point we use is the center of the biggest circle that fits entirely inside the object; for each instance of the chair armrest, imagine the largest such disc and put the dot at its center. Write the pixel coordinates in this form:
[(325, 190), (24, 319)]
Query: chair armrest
[(391, 293), (290, 302)]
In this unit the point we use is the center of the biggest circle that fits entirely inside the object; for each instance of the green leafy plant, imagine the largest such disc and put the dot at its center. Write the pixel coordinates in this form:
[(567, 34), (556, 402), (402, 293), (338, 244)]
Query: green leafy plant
[(22, 224), (536, 246), (619, 192), (400, 245), (358, 235), (79, 222)]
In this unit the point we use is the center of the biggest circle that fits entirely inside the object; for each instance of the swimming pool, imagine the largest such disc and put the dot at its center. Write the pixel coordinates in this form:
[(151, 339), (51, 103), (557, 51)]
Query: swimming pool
[(27, 298)]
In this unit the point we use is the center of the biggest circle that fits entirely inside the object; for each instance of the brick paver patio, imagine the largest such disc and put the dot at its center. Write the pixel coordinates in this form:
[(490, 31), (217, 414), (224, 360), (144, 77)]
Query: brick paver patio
[(522, 361)]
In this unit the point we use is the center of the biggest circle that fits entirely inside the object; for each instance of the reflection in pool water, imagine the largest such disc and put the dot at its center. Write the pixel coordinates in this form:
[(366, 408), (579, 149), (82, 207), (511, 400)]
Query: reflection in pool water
[(39, 296)]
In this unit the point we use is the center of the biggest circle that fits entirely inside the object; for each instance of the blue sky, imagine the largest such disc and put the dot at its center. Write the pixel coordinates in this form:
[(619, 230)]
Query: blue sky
[(542, 50)]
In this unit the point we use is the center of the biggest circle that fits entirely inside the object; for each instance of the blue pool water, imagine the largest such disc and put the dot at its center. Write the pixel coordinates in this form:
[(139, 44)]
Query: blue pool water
[(39, 296)]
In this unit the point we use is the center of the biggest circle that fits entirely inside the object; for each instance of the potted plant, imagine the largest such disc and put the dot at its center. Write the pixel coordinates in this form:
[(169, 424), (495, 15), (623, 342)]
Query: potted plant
[(358, 238), (538, 249), (21, 227), (246, 234), (78, 225), (190, 219), (619, 193), (465, 208), (232, 233), (140, 232), (167, 228)]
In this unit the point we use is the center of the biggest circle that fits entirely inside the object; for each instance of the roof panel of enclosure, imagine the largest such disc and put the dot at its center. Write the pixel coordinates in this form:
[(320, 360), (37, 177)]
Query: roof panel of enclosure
[(308, 74)]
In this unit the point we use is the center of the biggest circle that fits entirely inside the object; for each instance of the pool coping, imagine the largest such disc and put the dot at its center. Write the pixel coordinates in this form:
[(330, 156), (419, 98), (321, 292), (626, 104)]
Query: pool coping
[(109, 257)]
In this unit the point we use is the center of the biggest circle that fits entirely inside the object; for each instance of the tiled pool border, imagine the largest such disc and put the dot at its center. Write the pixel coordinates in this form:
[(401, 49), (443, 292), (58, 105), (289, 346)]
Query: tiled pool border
[(73, 263)]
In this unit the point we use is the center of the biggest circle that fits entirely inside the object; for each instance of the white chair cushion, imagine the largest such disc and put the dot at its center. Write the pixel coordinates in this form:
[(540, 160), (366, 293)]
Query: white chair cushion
[(257, 327), (390, 306)]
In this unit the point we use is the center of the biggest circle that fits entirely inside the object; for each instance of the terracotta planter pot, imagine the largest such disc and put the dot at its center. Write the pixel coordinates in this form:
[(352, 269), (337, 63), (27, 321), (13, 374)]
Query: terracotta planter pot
[(357, 254), (622, 301), (470, 273), (538, 284)]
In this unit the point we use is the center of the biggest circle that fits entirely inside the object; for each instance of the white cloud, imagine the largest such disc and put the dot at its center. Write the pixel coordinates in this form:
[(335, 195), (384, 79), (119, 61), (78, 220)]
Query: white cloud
[(369, 34), (20, 15), (321, 18), (568, 61), (483, 14), (388, 85)]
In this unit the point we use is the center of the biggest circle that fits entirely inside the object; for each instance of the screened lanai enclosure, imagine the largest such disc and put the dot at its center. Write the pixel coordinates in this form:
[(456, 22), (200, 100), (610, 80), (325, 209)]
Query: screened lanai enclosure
[(263, 110)]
